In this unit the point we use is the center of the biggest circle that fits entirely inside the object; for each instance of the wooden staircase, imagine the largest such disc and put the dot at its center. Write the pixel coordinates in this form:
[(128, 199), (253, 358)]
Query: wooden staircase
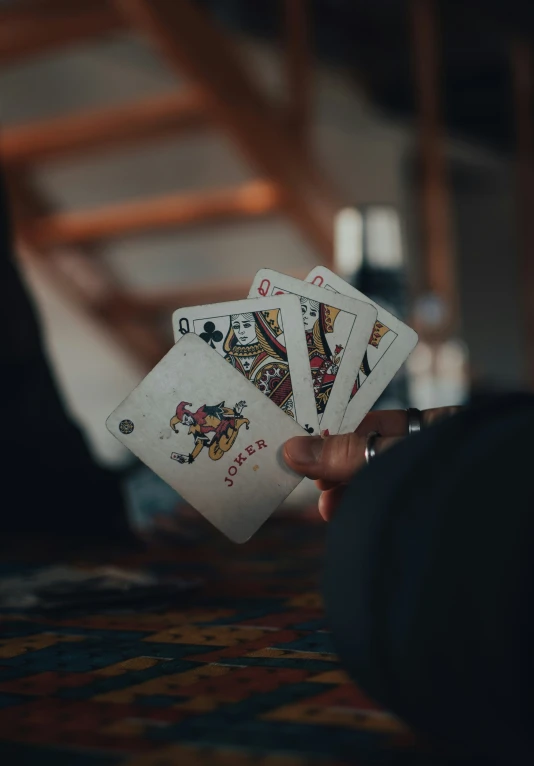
[(221, 95)]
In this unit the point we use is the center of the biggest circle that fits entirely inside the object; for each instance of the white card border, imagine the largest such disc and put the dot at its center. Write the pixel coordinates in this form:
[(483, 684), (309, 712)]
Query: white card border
[(381, 375), (365, 320)]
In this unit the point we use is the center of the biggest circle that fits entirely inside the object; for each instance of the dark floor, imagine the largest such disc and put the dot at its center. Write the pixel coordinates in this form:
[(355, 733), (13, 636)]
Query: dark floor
[(240, 671)]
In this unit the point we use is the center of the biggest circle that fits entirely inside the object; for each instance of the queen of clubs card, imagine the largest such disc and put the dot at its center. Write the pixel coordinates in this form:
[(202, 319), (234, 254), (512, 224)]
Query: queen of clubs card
[(254, 346)]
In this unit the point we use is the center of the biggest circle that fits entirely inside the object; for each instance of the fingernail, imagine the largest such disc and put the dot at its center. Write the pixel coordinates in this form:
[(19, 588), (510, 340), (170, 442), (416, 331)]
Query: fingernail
[(305, 450)]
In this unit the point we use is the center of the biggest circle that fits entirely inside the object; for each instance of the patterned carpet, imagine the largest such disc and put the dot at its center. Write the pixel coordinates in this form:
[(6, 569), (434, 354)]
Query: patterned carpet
[(241, 672)]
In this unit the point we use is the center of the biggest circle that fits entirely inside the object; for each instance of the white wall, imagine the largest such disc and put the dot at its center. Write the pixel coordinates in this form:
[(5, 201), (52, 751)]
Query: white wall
[(94, 373)]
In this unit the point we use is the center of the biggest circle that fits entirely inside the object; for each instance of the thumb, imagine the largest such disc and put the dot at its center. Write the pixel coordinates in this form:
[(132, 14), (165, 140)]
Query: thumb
[(334, 458)]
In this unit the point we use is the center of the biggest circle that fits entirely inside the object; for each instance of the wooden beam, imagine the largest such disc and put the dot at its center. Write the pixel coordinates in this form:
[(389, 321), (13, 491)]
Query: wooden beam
[(32, 28), (75, 275), (522, 61), (86, 283), (23, 11), (193, 46), (103, 129), (298, 67), (439, 275), (115, 313), (256, 198)]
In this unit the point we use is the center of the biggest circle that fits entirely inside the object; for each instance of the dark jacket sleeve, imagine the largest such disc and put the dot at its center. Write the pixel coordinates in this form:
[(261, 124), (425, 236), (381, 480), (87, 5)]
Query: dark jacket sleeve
[(429, 579), (50, 484)]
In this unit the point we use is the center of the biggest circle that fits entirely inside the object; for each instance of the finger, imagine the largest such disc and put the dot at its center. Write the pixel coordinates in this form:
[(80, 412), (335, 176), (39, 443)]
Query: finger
[(434, 415), (324, 485), (330, 500), (333, 459), (385, 422), (395, 422)]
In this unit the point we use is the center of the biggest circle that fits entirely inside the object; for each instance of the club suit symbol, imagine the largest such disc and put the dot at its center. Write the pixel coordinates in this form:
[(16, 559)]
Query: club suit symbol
[(211, 335), (215, 427)]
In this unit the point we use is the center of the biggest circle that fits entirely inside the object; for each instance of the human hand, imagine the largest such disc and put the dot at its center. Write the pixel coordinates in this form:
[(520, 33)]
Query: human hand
[(332, 461)]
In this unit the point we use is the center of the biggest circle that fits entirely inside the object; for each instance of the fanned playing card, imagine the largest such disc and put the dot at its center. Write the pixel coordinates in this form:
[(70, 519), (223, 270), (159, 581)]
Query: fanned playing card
[(337, 329), (390, 344), (264, 341), (210, 434)]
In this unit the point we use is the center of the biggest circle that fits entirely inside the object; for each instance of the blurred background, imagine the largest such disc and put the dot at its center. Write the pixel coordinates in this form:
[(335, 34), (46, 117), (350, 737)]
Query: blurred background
[(159, 152)]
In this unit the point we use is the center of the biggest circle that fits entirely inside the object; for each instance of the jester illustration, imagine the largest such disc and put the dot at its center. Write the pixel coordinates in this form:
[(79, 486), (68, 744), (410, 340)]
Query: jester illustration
[(319, 320), (254, 346), (215, 427), (379, 330)]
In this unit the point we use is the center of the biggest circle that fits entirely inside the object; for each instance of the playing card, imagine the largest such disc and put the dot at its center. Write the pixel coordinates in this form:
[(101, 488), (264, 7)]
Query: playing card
[(264, 340), (217, 440), (390, 344), (336, 331)]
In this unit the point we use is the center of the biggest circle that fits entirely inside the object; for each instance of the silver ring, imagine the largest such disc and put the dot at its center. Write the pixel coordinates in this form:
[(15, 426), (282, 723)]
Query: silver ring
[(415, 420), (370, 446)]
